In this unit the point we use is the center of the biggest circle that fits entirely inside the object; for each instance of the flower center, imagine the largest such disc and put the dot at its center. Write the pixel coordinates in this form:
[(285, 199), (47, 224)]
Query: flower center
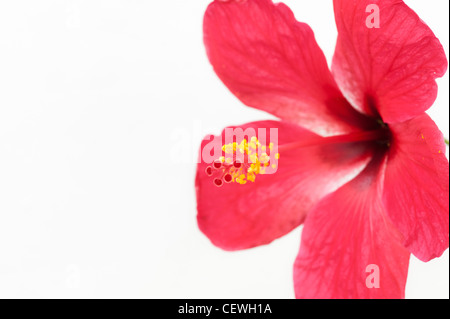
[(385, 137), (242, 162)]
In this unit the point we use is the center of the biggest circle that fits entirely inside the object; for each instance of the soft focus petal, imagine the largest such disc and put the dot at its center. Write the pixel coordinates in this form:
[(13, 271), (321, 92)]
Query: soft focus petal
[(390, 70), (346, 239), (272, 62), (243, 216), (416, 192)]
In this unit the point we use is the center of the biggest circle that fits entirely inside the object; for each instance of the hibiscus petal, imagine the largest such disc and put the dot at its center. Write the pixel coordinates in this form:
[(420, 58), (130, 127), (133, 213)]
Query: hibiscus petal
[(349, 248), (243, 216), (390, 70), (272, 62), (417, 187)]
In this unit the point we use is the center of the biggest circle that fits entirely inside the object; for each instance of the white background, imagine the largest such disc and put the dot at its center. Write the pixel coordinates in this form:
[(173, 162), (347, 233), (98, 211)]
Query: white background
[(102, 107)]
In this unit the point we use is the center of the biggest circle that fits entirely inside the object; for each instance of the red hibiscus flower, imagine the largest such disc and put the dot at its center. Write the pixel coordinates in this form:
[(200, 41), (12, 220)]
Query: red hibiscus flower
[(360, 163)]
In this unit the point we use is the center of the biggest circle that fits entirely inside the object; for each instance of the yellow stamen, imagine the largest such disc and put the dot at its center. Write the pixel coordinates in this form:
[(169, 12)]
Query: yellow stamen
[(255, 161)]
